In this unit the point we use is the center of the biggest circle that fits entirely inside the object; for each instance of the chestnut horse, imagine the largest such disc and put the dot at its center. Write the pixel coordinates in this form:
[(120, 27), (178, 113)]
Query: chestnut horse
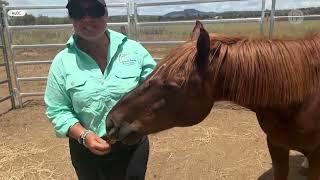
[(278, 79)]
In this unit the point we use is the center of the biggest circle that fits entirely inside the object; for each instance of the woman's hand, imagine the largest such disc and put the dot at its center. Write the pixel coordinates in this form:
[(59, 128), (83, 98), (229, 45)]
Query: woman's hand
[(96, 144), (93, 142)]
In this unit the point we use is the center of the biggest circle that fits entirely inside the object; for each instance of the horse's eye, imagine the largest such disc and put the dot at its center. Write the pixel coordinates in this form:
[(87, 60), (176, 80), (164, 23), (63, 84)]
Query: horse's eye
[(172, 86), (152, 82), (145, 85), (158, 104)]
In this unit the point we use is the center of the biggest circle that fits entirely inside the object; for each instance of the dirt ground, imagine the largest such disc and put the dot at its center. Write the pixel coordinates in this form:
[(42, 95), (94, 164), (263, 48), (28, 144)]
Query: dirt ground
[(227, 145)]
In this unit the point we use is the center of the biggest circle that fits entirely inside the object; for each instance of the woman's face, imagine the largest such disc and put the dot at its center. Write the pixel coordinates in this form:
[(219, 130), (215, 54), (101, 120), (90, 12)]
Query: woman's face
[(87, 27)]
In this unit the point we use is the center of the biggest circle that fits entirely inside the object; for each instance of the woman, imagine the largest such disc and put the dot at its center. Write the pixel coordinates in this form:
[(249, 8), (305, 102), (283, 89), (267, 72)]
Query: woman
[(85, 80)]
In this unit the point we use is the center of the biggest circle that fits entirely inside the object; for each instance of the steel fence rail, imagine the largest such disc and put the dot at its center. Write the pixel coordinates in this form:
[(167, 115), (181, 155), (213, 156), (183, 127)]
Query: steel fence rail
[(165, 3), (4, 81), (308, 17), (13, 47), (205, 21), (32, 94), (33, 7), (23, 63), (111, 5), (274, 18), (5, 98), (58, 26), (32, 78), (161, 42), (190, 2)]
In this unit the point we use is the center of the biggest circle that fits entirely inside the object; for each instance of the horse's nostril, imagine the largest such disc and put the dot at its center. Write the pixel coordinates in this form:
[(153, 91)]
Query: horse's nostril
[(110, 124), (112, 129), (113, 133)]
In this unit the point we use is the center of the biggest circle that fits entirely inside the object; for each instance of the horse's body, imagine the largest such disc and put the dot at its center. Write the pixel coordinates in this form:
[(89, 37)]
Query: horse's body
[(277, 79)]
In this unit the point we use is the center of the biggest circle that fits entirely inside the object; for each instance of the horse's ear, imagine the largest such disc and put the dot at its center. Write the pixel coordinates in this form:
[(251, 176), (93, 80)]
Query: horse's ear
[(196, 30), (203, 50)]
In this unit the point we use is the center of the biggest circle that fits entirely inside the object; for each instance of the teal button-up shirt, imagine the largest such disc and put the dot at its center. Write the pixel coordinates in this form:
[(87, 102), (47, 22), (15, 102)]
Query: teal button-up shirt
[(77, 90)]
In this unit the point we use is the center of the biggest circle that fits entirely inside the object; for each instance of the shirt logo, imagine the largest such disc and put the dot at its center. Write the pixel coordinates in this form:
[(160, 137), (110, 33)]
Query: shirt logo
[(125, 59)]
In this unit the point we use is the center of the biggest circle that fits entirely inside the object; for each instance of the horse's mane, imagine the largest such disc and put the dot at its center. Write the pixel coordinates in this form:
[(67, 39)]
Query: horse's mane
[(255, 71)]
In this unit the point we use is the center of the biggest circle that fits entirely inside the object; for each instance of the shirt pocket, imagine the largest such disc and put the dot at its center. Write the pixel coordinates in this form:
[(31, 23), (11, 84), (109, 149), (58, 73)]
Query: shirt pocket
[(127, 74), (124, 81), (73, 82), (76, 87)]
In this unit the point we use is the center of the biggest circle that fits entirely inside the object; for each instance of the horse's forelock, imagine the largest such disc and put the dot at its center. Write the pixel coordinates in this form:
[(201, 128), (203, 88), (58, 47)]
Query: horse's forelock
[(179, 64)]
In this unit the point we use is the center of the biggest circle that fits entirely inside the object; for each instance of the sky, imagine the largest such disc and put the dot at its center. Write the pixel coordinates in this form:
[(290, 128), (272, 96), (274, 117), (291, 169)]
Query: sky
[(206, 7)]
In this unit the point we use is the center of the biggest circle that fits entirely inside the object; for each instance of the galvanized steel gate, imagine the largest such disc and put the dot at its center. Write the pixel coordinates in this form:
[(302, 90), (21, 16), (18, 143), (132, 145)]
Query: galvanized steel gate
[(4, 63), (15, 63), (133, 24)]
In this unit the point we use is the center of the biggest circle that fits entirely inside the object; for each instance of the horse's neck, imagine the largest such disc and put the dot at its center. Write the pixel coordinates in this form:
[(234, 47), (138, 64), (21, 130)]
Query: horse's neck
[(267, 81)]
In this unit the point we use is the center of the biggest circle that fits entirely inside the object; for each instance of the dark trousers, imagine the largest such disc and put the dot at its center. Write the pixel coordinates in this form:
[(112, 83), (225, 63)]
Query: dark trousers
[(122, 163)]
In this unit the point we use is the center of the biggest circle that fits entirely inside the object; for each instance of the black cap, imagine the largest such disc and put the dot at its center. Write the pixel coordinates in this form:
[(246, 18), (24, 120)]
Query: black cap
[(102, 2), (72, 3)]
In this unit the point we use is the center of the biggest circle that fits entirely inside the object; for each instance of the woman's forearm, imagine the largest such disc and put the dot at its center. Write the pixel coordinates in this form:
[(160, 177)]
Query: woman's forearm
[(75, 131)]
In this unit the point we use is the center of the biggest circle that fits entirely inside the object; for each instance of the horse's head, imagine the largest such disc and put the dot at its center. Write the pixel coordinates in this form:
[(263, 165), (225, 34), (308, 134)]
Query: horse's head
[(176, 94)]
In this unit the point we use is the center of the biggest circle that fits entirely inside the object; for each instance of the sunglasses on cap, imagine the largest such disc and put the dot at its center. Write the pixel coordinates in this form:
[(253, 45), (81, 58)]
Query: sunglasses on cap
[(77, 12)]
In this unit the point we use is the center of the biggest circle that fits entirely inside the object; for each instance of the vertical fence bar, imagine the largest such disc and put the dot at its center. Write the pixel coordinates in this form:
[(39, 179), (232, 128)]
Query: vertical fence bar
[(128, 20), (263, 9), (136, 20), (132, 19), (5, 54), (12, 53), (272, 19)]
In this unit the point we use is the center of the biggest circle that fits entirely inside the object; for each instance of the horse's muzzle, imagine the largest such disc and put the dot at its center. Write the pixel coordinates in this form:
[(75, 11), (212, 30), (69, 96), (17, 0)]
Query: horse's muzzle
[(123, 132)]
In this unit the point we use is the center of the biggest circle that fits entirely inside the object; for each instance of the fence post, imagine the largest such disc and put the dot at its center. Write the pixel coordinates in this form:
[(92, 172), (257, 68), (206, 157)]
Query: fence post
[(263, 9), (136, 21), (132, 20), (272, 19), (3, 44)]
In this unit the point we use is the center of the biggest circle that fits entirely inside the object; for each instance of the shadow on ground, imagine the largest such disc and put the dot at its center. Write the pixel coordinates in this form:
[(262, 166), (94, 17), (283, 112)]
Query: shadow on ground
[(296, 172)]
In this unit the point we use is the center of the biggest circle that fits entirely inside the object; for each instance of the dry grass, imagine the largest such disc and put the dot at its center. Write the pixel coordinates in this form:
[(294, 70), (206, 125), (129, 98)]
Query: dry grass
[(227, 145), (24, 159), (30, 168)]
